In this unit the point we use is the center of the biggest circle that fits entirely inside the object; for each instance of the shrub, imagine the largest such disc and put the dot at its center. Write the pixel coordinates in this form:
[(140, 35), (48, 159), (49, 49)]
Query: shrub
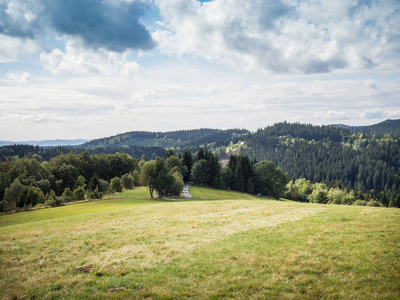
[(79, 193), (360, 202), (6, 206), (53, 200), (319, 194), (374, 203), (115, 185), (127, 181), (135, 176), (348, 199), (336, 196), (14, 195), (103, 185), (68, 195), (177, 188), (94, 194)]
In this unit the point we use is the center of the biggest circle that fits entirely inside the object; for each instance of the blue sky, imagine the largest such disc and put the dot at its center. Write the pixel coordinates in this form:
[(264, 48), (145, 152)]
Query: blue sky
[(91, 68)]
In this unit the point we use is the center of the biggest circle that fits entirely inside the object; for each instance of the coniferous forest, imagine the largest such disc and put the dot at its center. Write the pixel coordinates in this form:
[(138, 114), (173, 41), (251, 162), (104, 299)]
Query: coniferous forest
[(302, 162), (334, 156)]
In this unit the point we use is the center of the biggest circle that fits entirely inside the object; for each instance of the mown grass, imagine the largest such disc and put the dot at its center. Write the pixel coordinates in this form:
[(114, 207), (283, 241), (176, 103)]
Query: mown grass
[(246, 248), (215, 194)]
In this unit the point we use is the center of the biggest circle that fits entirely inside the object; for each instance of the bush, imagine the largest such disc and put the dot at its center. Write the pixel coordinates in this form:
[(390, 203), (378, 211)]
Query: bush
[(6, 206), (319, 194), (53, 200), (336, 196), (127, 181), (115, 185), (94, 194), (375, 203), (177, 188), (68, 195), (14, 195), (103, 186), (79, 193), (360, 202), (135, 176)]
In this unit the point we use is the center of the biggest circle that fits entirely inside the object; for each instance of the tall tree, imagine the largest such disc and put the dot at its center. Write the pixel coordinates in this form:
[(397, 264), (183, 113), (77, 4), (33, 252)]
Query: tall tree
[(269, 179), (187, 161)]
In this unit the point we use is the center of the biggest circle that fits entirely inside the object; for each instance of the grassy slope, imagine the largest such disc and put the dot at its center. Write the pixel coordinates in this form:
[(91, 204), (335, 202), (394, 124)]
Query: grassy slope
[(251, 248)]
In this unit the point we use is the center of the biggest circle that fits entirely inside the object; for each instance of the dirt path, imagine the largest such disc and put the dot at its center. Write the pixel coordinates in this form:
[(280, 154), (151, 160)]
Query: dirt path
[(186, 192)]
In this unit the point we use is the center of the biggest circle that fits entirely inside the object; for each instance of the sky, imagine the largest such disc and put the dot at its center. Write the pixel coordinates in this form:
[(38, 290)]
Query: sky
[(95, 68)]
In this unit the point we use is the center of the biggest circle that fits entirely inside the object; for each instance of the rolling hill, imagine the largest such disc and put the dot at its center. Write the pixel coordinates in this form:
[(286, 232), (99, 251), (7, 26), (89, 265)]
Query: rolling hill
[(388, 126), (173, 139)]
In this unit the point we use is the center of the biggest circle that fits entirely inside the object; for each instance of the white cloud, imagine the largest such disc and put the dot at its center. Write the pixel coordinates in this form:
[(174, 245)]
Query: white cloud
[(81, 61), (283, 35), (19, 78), (336, 115), (394, 114), (12, 48), (35, 118), (144, 96), (373, 113), (371, 84), (122, 110)]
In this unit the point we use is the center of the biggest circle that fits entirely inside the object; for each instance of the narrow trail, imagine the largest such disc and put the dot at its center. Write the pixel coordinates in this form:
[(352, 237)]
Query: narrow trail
[(185, 192)]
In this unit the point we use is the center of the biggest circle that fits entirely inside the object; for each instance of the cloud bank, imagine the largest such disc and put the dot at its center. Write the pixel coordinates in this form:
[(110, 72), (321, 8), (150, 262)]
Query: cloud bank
[(113, 25), (284, 35), (78, 60), (110, 25)]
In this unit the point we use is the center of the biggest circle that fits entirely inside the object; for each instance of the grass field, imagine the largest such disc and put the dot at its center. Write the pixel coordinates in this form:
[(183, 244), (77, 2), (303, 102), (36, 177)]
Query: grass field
[(232, 246)]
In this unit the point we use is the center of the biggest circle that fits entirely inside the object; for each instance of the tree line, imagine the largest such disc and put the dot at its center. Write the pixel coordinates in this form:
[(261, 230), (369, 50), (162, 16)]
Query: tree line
[(334, 156), (27, 182), (12, 152)]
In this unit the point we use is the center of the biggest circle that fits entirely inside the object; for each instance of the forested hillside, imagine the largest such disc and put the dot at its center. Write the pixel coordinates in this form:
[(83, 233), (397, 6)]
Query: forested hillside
[(27, 182), (173, 139), (332, 155), (12, 152), (388, 126), (338, 157)]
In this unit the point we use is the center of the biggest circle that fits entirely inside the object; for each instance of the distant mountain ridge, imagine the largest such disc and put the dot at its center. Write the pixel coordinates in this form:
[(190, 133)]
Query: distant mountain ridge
[(387, 126), (46, 143), (205, 136), (187, 138), (176, 139)]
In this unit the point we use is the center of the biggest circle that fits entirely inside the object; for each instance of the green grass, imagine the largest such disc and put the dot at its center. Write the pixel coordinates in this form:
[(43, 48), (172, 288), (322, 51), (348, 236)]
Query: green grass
[(215, 194), (235, 247)]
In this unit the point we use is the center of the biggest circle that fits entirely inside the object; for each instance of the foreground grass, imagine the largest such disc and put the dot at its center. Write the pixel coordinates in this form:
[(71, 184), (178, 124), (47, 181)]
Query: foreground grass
[(243, 248)]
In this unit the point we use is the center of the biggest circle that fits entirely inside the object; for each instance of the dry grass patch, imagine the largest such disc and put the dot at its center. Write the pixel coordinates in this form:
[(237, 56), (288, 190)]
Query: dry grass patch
[(133, 237), (200, 249)]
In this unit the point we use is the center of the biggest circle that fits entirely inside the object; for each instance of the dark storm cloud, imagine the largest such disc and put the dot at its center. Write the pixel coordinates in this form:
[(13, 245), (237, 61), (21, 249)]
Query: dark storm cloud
[(11, 26), (113, 25), (99, 24)]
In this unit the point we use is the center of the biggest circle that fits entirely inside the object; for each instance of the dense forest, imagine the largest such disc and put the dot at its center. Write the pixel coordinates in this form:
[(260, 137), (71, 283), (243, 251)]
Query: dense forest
[(28, 182), (331, 155), (388, 126), (8, 153), (173, 139), (329, 159)]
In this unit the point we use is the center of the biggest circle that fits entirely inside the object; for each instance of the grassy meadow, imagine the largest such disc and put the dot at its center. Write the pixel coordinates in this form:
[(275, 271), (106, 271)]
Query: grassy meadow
[(224, 245)]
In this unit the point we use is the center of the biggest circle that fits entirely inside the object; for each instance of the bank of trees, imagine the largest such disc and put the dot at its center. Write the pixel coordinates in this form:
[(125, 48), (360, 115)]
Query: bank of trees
[(12, 152), (304, 191), (334, 156), (241, 174), (27, 182)]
